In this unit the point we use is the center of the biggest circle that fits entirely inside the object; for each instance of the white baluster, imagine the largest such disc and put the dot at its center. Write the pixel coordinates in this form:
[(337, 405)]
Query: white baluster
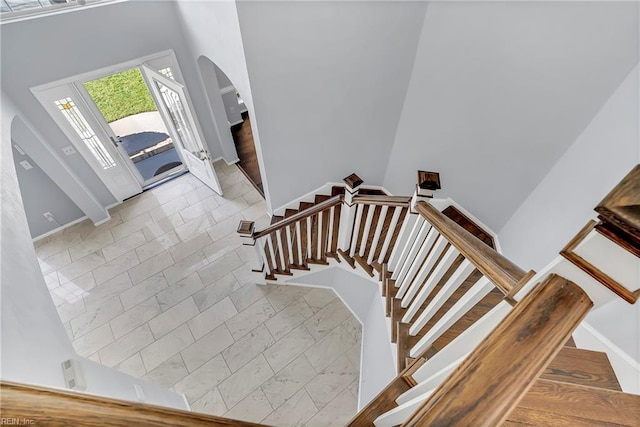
[(290, 244), (272, 252), (376, 233), (299, 241), (404, 243), (416, 255), (455, 281), (411, 288), (367, 228), (283, 265), (332, 213), (440, 270), (401, 242), (462, 344), (387, 240), (260, 246), (356, 229), (473, 296), (320, 236), (309, 255)]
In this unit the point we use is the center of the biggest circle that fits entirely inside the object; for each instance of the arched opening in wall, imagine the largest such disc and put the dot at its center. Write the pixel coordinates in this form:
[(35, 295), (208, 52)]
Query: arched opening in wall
[(232, 119)]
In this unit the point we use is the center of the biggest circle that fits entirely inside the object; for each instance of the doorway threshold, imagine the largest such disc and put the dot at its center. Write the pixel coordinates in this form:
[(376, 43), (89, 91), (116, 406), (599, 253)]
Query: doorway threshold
[(170, 176)]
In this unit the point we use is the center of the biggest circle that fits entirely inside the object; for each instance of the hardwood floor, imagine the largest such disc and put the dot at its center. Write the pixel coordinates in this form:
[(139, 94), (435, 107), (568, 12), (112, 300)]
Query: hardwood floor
[(243, 139)]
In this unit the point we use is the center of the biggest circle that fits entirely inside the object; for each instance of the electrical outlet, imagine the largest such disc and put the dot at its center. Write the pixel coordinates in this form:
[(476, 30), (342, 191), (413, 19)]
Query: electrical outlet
[(49, 216), (69, 150), (25, 164), (139, 392)]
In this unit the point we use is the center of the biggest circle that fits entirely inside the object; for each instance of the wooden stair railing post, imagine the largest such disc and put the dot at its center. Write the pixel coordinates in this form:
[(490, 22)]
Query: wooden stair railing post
[(245, 230), (498, 373), (348, 211)]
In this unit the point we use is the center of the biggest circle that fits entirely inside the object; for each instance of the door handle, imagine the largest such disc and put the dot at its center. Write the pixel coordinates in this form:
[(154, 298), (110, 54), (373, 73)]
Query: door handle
[(115, 141)]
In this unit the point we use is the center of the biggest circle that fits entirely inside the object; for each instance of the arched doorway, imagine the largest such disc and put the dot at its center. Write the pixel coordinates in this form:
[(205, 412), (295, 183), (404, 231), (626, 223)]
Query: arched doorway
[(233, 120)]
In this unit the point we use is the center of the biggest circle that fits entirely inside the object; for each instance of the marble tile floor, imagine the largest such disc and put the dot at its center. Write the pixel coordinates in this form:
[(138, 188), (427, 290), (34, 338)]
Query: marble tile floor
[(163, 292)]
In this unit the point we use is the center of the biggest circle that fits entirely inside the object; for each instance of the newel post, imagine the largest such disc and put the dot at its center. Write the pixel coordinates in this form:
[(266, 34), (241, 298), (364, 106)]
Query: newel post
[(348, 211), (428, 183), (245, 230)]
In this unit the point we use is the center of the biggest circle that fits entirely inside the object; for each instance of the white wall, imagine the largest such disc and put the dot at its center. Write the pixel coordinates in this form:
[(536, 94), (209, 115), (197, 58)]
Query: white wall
[(39, 193), (564, 200), (362, 296), (210, 80), (43, 49), (212, 30), (34, 341), (327, 83), (500, 90)]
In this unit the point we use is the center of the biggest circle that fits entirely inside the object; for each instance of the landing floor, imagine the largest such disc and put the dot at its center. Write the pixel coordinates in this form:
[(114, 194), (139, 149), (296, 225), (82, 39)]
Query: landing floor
[(162, 292)]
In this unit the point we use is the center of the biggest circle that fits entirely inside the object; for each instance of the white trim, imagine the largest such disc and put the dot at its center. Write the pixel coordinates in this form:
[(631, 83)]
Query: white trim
[(626, 368), (103, 221), (62, 227), (323, 189), (441, 204), (227, 89), (111, 69), (235, 123), (233, 162)]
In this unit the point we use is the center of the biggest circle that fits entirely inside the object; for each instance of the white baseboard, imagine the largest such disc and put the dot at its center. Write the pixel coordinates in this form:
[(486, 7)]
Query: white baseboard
[(233, 162), (103, 221), (57, 229), (626, 368)]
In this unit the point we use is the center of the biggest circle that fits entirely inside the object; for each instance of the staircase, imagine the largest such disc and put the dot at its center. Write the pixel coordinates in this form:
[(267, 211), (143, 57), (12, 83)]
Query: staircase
[(447, 293), (478, 340)]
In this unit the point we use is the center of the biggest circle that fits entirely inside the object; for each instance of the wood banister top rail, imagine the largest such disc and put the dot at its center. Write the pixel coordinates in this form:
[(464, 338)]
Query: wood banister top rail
[(493, 379), (335, 200), (45, 406), (502, 272), (380, 200)]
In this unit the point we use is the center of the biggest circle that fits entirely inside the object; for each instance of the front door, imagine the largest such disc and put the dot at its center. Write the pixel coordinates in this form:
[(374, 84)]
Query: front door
[(67, 107), (172, 102)]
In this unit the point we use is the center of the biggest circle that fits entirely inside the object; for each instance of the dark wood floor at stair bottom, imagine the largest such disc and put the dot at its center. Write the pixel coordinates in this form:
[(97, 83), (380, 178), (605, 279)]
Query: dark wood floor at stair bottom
[(243, 139)]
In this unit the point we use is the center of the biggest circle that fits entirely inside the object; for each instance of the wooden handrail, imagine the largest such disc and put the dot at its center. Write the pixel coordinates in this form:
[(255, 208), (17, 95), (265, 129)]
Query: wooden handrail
[(498, 373), (382, 200), (45, 406), (502, 272), (335, 200)]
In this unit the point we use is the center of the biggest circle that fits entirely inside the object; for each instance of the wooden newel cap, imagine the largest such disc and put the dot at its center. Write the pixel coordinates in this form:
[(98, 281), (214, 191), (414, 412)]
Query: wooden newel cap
[(353, 180), (428, 180), (246, 228)]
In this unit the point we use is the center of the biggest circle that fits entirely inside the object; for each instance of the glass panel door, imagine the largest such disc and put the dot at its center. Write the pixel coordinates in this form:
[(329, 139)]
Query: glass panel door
[(171, 99)]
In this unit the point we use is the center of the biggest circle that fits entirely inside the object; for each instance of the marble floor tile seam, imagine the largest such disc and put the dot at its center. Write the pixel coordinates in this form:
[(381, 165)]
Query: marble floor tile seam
[(242, 208)]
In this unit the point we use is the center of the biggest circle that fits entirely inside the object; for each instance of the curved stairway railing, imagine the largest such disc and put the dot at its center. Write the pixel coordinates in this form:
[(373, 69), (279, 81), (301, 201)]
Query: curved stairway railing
[(473, 333)]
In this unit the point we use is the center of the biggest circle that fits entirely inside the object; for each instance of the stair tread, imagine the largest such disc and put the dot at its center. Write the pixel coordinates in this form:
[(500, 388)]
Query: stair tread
[(290, 212), (304, 205), (276, 218), (335, 190), (319, 198), (582, 367), (576, 403)]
